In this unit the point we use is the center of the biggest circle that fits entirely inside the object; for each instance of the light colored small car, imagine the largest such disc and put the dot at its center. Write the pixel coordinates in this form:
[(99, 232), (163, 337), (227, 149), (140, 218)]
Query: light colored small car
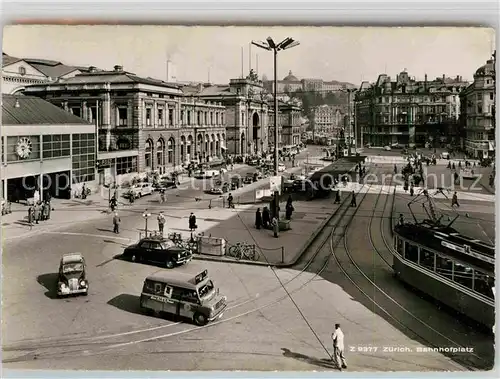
[(387, 148), (281, 167), (142, 189)]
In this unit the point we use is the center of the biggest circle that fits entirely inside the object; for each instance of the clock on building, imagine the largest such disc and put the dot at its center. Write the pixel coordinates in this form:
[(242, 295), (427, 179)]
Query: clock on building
[(24, 147)]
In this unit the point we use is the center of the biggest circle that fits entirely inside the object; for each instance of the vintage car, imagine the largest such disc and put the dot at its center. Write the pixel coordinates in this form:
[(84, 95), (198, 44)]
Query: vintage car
[(141, 189), (192, 297), (236, 183), (72, 275), (205, 174), (219, 189), (160, 250)]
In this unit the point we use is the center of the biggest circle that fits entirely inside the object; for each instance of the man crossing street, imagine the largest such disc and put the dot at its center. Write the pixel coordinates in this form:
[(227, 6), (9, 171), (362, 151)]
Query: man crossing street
[(161, 222), (338, 347)]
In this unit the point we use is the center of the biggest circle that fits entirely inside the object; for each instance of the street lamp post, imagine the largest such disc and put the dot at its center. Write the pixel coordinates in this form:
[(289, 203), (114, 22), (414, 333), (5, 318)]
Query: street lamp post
[(146, 215), (270, 45)]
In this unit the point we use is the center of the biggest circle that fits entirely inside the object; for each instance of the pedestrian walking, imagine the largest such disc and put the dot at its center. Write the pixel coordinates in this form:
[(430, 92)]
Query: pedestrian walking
[(454, 200), (401, 219), (338, 348), (112, 203), (258, 219), (288, 211), (276, 227), (337, 197), (116, 223), (31, 217), (230, 201), (192, 222), (37, 212), (163, 198), (453, 166), (84, 191), (161, 222), (353, 199), (266, 218), (45, 210), (412, 190)]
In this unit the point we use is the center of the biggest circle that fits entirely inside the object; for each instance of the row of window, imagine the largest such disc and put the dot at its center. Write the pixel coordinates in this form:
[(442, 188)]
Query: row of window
[(25, 148), (202, 118), (126, 165), (83, 159), (460, 273)]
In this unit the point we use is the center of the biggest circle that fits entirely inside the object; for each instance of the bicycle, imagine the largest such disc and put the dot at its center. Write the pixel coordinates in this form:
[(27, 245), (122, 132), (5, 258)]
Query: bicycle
[(241, 251)]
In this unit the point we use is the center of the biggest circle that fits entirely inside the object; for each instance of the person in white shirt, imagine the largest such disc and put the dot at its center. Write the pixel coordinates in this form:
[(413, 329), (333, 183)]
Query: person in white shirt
[(338, 347)]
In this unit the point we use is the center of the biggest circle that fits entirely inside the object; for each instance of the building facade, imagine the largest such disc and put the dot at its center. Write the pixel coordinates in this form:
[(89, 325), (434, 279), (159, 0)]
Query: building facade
[(289, 125), (478, 107), (291, 83), (246, 113), (44, 148), (144, 124), (17, 73), (328, 120), (409, 112)]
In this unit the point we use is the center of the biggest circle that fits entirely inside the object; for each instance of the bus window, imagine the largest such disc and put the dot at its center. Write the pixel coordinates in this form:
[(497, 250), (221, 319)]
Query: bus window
[(189, 296), (149, 287), (483, 284), (444, 266), (168, 291), (427, 259), (411, 252), (158, 289), (462, 274), (399, 246)]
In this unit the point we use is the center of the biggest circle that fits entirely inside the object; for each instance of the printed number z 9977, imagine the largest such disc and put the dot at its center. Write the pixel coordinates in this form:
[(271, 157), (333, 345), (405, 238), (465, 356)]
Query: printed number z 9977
[(363, 349)]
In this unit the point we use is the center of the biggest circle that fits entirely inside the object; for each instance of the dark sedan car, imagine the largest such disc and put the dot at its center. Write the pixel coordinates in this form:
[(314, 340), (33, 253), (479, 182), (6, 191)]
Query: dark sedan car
[(157, 250)]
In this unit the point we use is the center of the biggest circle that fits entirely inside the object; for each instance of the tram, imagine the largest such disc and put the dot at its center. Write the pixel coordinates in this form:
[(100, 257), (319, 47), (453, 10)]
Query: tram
[(454, 269)]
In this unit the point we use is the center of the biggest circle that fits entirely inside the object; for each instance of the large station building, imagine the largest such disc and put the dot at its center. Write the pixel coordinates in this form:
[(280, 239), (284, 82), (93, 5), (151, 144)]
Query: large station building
[(44, 148)]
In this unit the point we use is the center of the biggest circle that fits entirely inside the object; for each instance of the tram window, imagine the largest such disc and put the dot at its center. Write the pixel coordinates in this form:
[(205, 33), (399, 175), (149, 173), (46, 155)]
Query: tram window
[(427, 259), (444, 266), (411, 252), (462, 274), (483, 284), (399, 246)]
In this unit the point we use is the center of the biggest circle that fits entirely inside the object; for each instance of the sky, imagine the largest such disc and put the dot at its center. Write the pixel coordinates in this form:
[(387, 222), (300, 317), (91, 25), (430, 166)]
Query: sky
[(350, 54)]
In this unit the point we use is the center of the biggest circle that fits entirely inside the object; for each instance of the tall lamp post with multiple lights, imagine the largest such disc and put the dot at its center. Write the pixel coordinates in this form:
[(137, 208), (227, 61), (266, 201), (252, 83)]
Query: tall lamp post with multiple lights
[(270, 45)]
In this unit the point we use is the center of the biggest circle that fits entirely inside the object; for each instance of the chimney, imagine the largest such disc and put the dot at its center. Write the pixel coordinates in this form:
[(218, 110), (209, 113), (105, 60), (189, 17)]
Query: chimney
[(200, 87), (118, 68), (444, 77), (92, 69)]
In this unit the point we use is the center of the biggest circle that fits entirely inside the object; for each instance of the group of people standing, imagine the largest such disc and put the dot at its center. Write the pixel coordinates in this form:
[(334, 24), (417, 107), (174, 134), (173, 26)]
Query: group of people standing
[(269, 217), (40, 211)]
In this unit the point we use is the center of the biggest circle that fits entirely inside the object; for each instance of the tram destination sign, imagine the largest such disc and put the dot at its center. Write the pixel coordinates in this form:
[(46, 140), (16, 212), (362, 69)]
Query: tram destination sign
[(465, 249)]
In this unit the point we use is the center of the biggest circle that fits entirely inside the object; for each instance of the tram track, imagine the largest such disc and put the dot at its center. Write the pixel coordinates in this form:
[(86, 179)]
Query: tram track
[(398, 313), (86, 344)]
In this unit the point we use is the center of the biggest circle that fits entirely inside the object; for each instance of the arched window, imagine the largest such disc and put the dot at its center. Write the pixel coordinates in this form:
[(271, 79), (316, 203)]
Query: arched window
[(148, 154), (160, 155), (171, 150)]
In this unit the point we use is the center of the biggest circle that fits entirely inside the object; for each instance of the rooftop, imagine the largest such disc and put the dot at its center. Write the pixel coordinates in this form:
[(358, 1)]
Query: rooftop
[(117, 76), (53, 69), (30, 110)]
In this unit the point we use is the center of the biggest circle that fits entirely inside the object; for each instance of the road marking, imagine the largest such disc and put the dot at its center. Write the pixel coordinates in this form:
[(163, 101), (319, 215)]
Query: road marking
[(91, 235)]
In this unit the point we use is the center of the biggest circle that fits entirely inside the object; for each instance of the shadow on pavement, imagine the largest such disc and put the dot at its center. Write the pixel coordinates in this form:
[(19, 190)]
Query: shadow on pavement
[(325, 363), (49, 281), (126, 302), (131, 303)]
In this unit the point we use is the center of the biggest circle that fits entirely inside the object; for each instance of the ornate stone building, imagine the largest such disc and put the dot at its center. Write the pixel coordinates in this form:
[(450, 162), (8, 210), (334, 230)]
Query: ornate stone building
[(246, 115), (409, 112), (144, 124), (478, 104)]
